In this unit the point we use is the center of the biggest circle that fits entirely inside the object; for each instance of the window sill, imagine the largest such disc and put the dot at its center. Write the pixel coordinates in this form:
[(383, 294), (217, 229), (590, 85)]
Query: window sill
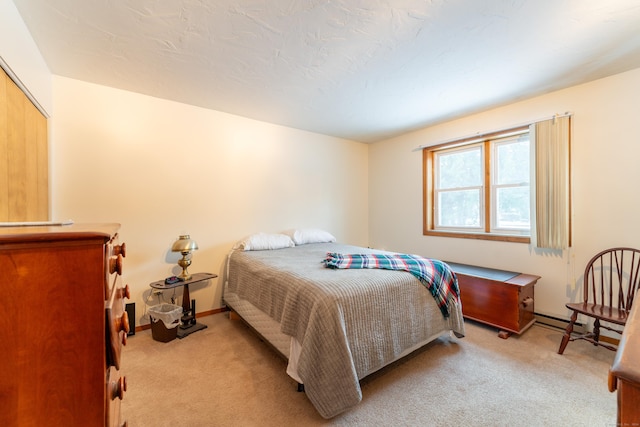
[(479, 236)]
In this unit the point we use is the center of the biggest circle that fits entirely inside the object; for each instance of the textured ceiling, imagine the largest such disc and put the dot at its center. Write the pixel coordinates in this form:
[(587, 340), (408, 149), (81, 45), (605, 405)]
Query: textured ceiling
[(359, 69)]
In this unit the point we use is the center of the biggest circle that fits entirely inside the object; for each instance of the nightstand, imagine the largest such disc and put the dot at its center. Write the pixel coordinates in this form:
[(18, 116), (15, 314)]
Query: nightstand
[(188, 324)]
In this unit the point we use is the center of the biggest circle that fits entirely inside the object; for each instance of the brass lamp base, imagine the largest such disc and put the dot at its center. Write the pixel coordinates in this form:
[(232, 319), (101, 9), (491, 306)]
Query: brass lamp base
[(184, 262)]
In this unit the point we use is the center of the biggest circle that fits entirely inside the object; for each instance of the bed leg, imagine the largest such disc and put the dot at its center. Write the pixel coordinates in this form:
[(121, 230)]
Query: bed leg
[(300, 388), (233, 315)]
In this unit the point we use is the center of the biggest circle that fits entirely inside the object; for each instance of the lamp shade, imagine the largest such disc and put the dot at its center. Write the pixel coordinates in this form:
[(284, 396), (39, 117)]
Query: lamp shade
[(184, 244)]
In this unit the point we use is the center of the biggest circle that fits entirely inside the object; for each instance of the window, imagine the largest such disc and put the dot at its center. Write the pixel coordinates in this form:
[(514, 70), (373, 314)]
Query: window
[(480, 188), (459, 188), (510, 186)]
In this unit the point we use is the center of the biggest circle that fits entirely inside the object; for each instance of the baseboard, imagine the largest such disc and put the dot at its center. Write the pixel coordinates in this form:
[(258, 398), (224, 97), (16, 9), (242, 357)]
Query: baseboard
[(558, 323), (544, 319)]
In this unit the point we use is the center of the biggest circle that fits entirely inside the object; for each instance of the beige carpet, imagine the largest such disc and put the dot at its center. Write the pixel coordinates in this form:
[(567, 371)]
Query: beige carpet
[(224, 375)]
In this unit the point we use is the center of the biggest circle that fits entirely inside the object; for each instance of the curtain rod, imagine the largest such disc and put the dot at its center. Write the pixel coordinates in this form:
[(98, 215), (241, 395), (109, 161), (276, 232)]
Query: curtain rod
[(480, 135)]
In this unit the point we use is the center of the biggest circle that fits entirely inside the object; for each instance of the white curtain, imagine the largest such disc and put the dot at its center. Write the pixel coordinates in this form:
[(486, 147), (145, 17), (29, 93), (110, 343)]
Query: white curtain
[(551, 185)]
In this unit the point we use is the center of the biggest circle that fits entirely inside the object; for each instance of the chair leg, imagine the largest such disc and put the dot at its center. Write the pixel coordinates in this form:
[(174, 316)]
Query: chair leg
[(567, 332), (596, 331)]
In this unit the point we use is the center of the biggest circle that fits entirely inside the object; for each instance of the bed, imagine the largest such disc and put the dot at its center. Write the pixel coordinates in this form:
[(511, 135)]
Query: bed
[(334, 327)]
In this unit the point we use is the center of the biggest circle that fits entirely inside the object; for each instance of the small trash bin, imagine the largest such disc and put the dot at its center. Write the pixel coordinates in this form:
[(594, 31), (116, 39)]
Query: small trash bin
[(165, 319)]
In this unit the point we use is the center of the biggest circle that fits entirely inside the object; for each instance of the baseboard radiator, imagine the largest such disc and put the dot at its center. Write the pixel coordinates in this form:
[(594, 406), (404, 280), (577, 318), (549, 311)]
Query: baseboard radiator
[(558, 323), (578, 328)]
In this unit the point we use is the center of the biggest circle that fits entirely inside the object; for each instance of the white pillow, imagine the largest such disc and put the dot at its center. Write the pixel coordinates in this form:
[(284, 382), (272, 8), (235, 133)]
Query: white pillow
[(310, 235), (264, 241)]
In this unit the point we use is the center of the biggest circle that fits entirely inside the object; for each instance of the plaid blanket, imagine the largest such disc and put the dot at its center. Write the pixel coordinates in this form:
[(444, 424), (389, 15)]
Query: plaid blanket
[(434, 274)]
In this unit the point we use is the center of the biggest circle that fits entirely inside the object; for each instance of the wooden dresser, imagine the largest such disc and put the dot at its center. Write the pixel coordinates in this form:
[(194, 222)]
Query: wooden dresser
[(624, 375), (62, 325)]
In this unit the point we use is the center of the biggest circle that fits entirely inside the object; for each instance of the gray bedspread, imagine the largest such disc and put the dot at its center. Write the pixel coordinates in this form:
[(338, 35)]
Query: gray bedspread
[(349, 322)]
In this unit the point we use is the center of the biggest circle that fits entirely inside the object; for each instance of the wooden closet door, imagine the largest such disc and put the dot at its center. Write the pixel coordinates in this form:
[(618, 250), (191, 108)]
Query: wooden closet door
[(24, 158)]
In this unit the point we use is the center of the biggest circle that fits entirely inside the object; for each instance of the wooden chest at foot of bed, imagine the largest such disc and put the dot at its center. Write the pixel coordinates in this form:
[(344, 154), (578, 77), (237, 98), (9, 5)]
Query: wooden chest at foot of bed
[(503, 299)]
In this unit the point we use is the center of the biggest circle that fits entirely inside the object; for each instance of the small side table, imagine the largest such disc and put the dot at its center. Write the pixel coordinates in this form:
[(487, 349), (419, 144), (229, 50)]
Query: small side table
[(188, 321)]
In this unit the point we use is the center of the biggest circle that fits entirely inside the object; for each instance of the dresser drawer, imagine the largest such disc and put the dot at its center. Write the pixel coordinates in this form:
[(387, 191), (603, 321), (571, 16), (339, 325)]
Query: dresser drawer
[(117, 320), (115, 387), (114, 260)]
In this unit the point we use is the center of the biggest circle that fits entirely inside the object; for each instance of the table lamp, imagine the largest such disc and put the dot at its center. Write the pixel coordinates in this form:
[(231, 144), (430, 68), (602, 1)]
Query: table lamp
[(184, 245)]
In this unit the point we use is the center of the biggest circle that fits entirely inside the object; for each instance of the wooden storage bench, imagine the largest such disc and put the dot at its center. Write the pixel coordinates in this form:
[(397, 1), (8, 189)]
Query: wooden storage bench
[(499, 298)]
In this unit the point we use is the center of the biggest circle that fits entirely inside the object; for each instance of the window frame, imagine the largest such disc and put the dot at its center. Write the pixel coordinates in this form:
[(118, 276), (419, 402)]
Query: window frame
[(478, 189), (496, 187), (429, 179)]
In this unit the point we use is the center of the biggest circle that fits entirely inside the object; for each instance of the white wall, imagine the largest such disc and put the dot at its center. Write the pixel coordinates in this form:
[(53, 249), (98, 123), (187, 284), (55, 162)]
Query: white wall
[(115, 155), (605, 153), (20, 53), (162, 168)]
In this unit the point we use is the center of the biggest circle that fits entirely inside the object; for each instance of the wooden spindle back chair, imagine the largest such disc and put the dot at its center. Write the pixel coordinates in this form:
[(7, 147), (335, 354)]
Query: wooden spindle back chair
[(611, 280)]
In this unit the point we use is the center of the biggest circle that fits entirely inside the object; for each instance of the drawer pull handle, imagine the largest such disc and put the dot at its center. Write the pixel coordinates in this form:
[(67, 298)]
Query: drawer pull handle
[(123, 323), (118, 388), (527, 302), (120, 250), (125, 292), (115, 265)]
